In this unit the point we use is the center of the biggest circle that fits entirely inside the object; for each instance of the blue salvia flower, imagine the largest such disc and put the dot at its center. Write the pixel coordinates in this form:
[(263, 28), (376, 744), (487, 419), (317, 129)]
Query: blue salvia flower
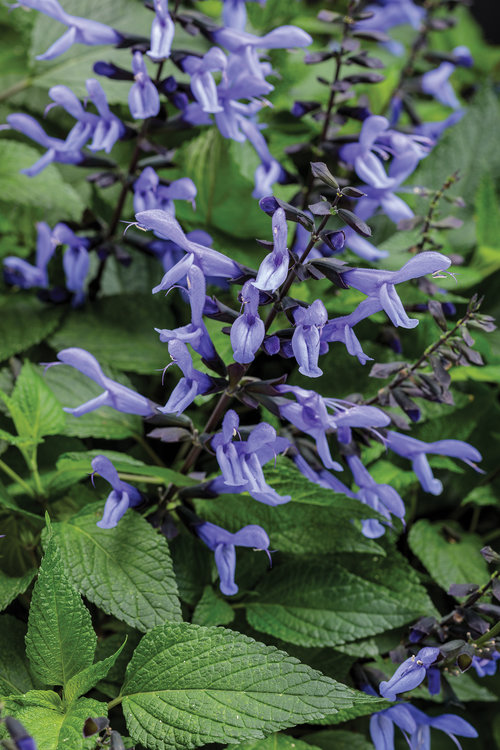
[(416, 451), (143, 97), (202, 82), (80, 30), (234, 13), (109, 128), (223, 544), (76, 260), (362, 247), (435, 82), (23, 274), (381, 497), (274, 268), (19, 734), (162, 32), (247, 331), (241, 461), (270, 170), (306, 339), (341, 329), (117, 396), (380, 285), (149, 193), (122, 496), (409, 674), (382, 725), (62, 96), (191, 385), (388, 14), (484, 665), (65, 152)]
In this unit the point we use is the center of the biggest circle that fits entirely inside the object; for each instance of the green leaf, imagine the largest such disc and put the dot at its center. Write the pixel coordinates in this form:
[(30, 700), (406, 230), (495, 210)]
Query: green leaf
[(48, 192), (15, 673), (53, 728), (212, 609), (370, 706), (449, 554), (338, 739), (137, 350), (60, 640), (188, 685), (276, 741), (73, 388), (24, 321), (11, 587), (34, 408), (487, 213), (127, 571), (331, 601), (89, 677)]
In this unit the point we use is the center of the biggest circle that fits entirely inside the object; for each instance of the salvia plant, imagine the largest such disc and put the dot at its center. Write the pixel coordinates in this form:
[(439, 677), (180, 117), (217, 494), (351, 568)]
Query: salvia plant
[(249, 375)]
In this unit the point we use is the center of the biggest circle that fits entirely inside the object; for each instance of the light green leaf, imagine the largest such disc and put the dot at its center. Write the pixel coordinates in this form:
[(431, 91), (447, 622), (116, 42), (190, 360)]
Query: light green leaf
[(212, 610), (370, 706), (60, 640), (89, 677), (48, 191), (276, 741), (188, 685), (34, 408), (450, 554), (127, 571), (53, 728), (24, 321), (331, 601), (487, 213), (15, 673), (11, 587), (338, 739), (127, 339)]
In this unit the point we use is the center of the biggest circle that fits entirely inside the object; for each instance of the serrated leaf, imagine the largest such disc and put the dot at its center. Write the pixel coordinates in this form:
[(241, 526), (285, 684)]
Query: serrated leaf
[(188, 685), (212, 610), (24, 321), (370, 706), (127, 571), (137, 350), (15, 673), (276, 741), (11, 587), (34, 408), (43, 715), (73, 388), (58, 620), (89, 677), (48, 192), (332, 601), (449, 557)]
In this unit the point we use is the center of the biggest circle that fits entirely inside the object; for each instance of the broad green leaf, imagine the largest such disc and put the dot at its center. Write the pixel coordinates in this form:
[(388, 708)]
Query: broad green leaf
[(24, 321), (34, 408), (487, 213), (53, 728), (276, 741), (370, 706), (60, 640), (11, 587), (89, 677), (15, 673), (212, 609), (449, 554), (335, 600), (47, 192), (127, 339), (338, 739), (188, 685), (73, 388), (127, 571)]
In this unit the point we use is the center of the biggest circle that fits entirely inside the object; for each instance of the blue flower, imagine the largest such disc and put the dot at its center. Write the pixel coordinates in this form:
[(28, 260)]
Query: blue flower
[(409, 674), (382, 725), (223, 544), (202, 82), (274, 268), (76, 260), (435, 82), (122, 497), (162, 32), (381, 497), (234, 13), (65, 152), (247, 331), (143, 97), (417, 725), (341, 329), (191, 385), (306, 339), (416, 450), (22, 740), (80, 30), (484, 665), (21, 273), (149, 193), (241, 462), (269, 171), (117, 396), (109, 128)]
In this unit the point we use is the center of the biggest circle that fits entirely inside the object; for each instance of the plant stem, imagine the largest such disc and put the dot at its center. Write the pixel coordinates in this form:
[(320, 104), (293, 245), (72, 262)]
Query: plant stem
[(115, 702), (425, 238), (490, 635), (19, 480), (140, 478)]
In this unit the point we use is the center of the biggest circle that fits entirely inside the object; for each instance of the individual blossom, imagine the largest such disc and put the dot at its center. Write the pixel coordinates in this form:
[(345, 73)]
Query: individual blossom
[(234, 13), (306, 339), (274, 268), (122, 496), (203, 85), (68, 151), (76, 260), (19, 734), (341, 329), (409, 674), (143, 97), (162, 32), (435, 82), (486, 665), (247, 331), (241, 461), (269, 170), (379, 285), (191, 385), (381, 497), (416, 727), (80, 30), (390, 13), (223, 544), (416, 451), (23, 274), (115, 394), (150, 193), (109, 128)]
